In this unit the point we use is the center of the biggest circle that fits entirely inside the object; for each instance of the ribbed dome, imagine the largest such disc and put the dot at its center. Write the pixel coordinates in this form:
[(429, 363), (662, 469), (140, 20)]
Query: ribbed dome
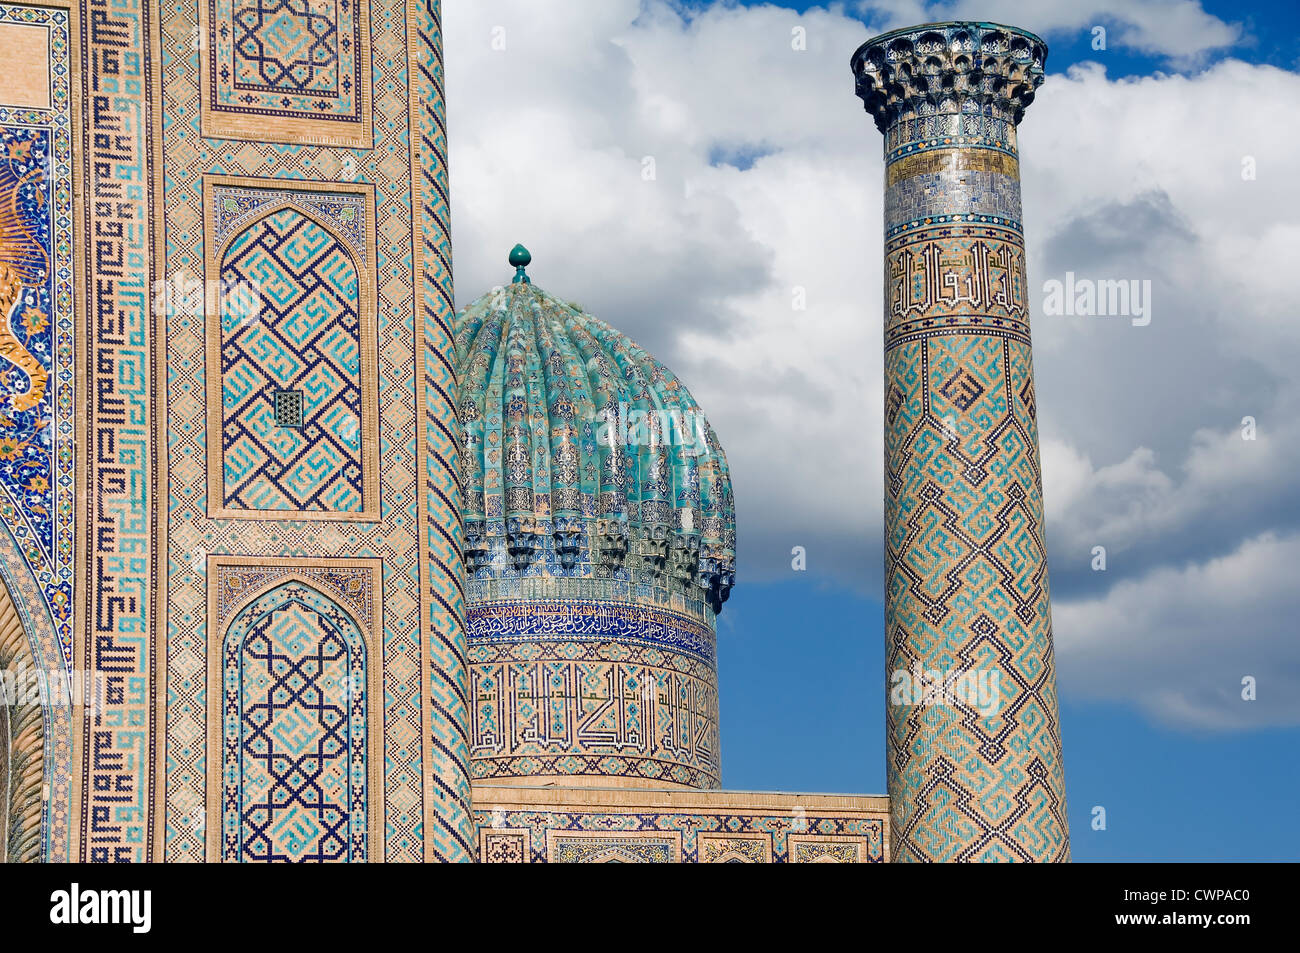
[(584, 456)]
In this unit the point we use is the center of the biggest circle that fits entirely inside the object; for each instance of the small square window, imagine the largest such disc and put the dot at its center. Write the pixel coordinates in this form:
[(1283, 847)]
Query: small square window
[(288, 407)]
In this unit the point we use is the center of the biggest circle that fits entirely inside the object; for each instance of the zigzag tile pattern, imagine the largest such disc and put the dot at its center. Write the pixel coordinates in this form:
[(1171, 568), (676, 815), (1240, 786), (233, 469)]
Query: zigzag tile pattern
[(973, 775), (306, 337), (452, 834)]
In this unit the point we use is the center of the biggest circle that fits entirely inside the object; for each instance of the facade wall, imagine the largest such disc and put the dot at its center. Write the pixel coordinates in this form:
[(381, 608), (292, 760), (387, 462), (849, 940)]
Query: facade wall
[(299, 432), (598, 825), (160, 430), (212, 503)]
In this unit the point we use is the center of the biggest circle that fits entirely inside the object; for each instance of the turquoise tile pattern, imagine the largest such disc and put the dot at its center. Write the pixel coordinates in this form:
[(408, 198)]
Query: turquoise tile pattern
[(599, 547), (973, 740)]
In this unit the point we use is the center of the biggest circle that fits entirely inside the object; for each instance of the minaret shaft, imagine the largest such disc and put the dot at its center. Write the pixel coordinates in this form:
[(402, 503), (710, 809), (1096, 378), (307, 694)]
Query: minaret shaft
[(973, 743)]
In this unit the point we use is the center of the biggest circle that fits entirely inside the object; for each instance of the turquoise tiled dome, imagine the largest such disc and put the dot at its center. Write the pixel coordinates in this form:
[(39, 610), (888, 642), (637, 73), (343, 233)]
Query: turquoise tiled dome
[(584, 456)]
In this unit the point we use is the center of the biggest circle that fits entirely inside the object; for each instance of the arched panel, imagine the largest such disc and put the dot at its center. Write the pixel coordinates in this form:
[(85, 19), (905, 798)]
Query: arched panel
[(291, 351), (613, 847), (22, 741), (36, 761), (294, 696)]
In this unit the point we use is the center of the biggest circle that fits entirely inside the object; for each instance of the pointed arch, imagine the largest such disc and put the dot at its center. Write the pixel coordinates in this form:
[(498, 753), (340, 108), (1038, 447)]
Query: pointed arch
[(623, 847), (292, 387), (36, 729), (22, 741), (295, 203), (295, 739)]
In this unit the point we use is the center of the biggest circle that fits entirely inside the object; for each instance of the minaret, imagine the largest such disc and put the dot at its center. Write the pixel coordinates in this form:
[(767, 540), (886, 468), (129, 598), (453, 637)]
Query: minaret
[(973, 742)]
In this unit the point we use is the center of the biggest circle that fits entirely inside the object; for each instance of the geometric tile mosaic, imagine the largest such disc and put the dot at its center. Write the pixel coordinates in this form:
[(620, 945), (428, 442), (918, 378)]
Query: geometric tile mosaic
[(388, 207), (963, 481), (503, 847), (291, 386), (294, 710), (39, 349), (121, 465), (582, 825), (287, 71), (595, 847), (735, 849), (594, 709), (965, 561), (826, 849)]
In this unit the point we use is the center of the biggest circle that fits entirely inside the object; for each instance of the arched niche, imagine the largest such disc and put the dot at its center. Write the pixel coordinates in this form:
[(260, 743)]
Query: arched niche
[(22, 741), (292, 389), (295, 764), (36, 721)]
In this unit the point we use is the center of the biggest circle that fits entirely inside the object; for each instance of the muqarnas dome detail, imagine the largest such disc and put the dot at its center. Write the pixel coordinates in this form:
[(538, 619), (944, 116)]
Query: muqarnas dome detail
[(599, 548)]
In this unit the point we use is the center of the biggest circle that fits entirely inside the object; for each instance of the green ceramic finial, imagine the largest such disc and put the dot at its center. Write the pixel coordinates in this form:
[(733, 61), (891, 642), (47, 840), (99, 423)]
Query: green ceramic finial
[(519, 257)]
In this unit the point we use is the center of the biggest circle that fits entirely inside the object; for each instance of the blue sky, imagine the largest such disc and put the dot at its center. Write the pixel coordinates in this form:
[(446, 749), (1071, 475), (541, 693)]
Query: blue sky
[(1163, 790), (1168, 795), (769, 178)]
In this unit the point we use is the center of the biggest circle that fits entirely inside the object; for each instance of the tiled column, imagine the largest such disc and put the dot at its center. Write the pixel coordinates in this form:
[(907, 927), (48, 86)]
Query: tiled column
[(974, 750)]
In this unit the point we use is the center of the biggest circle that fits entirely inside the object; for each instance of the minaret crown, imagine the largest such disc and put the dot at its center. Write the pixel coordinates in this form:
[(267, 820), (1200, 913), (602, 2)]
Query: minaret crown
[(939, 69)]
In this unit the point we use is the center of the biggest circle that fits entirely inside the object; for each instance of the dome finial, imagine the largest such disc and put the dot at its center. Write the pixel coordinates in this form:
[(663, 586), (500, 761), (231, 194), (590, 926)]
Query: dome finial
[(520, 257)]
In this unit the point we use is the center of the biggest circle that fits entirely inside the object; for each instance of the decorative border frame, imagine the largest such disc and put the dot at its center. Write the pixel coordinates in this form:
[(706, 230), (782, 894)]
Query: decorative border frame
[(369, 347), (794, 841), (120, 592), (520, 834), (589, 618), (539, 808), (449, 832), (282, 569), (47, 587), (671, 839), (497, 751), (218, 124), (724, 837)]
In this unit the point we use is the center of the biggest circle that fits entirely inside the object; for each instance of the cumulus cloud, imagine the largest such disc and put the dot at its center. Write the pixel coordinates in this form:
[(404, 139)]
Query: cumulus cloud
[(1178, 29), (703, 183), (1181, 641), (1142, 426)]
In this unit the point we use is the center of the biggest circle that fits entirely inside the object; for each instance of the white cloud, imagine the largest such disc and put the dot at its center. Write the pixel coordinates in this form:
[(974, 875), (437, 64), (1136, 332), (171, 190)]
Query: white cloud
[(1179, 641), (1179, 29), (1223, 487), (1122, 179)]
